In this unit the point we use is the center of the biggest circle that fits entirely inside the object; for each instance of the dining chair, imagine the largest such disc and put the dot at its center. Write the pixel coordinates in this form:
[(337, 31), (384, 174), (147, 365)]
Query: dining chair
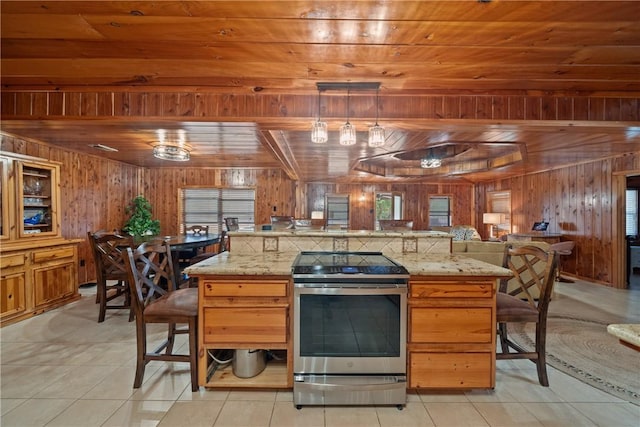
[(111, 272), (225, 240), (155, 299), (512, 309)]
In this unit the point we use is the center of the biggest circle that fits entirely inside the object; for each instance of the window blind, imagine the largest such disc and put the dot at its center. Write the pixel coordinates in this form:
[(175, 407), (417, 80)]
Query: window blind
[(209, 206), (631, 224), (439, 211)]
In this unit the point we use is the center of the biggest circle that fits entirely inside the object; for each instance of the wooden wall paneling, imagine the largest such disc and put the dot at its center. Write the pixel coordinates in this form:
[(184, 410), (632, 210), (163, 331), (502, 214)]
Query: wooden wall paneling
[(500, 107), (201, 103), (153, 104), (8, 104), (618, 236), (73, 104), (584, 243), (484, 107), (517, 107), (467, 107), (629, 109), (55, 102), (23, 104), (612, 108), (39, 104), (548, 108), (533, 108), (451, 107), (565, 108), (89, 105), (594, 270), (596, 109), (605, 249), (581, 108), (104, 104)]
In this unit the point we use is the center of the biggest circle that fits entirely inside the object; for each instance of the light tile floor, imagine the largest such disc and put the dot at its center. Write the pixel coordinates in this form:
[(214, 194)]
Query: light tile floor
[(62, 368)]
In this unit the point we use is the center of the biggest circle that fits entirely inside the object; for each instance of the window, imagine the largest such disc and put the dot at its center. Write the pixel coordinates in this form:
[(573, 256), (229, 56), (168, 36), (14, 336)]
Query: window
[(388, 206), (439, 211), (209, 206), (337, 211), (631, 226)]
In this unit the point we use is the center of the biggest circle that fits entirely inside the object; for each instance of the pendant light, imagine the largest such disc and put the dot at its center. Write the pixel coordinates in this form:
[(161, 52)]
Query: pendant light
[(347, 130), (319, 134), (376, 132)]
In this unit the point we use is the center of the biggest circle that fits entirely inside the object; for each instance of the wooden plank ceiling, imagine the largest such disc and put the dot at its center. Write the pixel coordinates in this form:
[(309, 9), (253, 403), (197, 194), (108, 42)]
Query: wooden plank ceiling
[(518, 86)]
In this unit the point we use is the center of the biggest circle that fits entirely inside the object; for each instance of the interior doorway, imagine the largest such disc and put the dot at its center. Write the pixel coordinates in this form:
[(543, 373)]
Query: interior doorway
[(632, 231)]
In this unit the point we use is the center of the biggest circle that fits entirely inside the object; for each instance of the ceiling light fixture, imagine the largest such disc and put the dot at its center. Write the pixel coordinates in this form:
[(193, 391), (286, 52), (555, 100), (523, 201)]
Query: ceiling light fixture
[(175, 153), (176, 150), (319, 134), (376, 132), (430, 161), (347, 130)]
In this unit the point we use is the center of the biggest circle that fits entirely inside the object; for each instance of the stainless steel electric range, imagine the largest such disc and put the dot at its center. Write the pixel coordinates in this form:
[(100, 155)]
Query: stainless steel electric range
[(350, 327)]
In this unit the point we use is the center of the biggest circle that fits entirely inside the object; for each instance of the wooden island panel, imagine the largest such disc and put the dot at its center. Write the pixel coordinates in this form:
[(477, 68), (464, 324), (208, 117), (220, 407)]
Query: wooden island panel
[(245, 312), (451, 332)]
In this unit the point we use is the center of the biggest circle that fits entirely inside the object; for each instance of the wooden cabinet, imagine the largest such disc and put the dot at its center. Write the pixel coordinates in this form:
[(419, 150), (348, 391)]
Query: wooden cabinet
[(38, 267), (452, 332), (36, 280), (244, 312)]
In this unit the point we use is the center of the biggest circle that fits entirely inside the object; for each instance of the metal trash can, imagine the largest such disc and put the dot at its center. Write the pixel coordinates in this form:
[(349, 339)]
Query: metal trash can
[(248, 363)]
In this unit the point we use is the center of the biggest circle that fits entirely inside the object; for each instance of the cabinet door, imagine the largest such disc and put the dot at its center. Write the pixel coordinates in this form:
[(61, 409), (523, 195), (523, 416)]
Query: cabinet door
[(12, 292), (53, 282), (450, 370), (38, 195)]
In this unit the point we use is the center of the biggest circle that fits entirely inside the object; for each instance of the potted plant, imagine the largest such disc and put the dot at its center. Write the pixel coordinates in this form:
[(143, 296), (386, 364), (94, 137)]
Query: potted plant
[(140, 222)]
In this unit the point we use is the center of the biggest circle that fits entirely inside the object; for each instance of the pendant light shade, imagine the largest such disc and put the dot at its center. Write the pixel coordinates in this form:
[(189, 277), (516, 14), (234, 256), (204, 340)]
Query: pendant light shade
[(347, 134), (376, 132), (376, 136), (347, 130), (319, 133)]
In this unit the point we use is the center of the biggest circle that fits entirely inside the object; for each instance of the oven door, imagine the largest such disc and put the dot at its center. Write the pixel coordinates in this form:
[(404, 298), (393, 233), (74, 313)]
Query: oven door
[(342, 330)]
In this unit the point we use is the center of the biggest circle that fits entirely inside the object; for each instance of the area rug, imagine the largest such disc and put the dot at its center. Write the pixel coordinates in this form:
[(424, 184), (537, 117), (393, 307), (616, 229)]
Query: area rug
[(578, 344)]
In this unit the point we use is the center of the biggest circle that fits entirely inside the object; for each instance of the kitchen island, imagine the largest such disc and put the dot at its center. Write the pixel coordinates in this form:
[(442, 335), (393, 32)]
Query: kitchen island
[(245, 302)]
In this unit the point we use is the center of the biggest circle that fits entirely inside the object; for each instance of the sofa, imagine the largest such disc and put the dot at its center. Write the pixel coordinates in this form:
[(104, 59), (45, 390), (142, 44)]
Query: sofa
[(460, 232), (493, 253)]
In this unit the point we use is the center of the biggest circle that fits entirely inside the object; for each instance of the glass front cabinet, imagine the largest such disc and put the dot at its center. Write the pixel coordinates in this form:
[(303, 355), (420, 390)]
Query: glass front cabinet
[(38, 267)]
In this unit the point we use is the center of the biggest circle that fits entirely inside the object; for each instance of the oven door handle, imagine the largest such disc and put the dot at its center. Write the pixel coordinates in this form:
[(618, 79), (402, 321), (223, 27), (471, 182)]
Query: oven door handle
[(399, 382), (348, 286)]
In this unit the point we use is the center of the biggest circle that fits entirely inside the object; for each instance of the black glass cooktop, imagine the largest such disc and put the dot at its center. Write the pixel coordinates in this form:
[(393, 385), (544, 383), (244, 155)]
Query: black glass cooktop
[(324, 263)]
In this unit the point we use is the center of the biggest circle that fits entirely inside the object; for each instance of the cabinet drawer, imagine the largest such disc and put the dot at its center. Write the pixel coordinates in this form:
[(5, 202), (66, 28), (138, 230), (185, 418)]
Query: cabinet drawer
[(450, 370), (451, 290), (451, 325), (245, 325), (248, 288), (14, 260), (52, 254)]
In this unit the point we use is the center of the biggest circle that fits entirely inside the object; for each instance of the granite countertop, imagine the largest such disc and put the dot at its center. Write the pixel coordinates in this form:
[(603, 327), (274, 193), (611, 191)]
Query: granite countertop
[(340, 233), (279, 263), (629, 332)]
